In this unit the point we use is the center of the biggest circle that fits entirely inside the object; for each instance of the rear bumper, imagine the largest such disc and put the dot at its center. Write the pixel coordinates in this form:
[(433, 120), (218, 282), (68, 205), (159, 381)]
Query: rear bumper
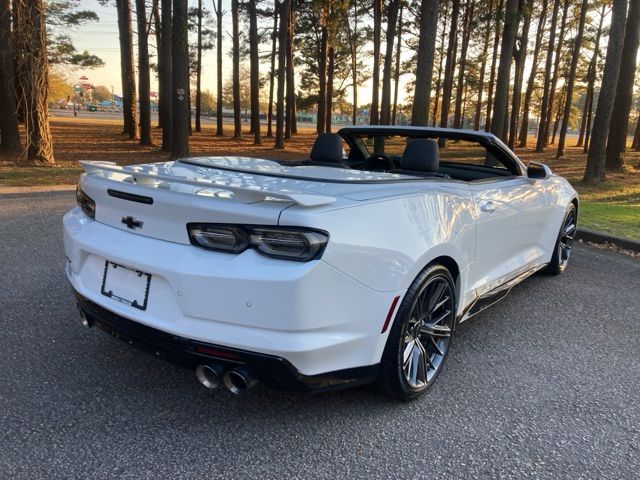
[(310, 315), (274, 372)]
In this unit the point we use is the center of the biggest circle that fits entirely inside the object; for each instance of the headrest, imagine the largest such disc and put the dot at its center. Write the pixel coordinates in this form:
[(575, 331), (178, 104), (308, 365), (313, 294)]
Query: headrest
[(327, 148), (421, 154)]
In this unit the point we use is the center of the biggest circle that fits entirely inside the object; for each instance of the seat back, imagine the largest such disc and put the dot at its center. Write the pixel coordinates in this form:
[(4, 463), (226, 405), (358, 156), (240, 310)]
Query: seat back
[(327, 149), (421, 155)]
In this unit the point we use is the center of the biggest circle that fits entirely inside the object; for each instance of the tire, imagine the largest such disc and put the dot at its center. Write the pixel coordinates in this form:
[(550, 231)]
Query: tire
[(431, 298), (562, 248)]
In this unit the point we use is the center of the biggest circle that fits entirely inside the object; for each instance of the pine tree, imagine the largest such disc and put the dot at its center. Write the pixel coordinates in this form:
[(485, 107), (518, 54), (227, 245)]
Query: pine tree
[(595, 170), (181, 112)]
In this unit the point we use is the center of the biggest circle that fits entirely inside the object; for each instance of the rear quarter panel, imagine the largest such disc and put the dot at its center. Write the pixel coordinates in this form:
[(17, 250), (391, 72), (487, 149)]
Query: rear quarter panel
[(385, 244)]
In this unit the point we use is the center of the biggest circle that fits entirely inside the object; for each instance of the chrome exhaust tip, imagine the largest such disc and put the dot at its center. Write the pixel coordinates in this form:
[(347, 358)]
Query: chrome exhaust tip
[(210, 375), (239, 381), (83, 319)]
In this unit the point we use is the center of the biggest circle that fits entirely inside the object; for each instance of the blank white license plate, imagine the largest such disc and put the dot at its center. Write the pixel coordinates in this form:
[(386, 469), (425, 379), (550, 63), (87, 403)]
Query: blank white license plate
[(126, 285)]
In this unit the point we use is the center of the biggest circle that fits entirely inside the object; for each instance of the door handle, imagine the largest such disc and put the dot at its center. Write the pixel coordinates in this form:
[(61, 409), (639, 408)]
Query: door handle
[(489, 207)]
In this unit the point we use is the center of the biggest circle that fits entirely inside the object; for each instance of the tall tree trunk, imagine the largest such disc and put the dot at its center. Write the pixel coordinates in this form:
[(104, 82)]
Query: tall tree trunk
[(544, 106), (330, 77), (498, 122), (396, 71), (520, 56), (164, 76), (617, 141), (282, 60), (291, 125), (591, 81), (9, 132), (587, 135), (272, 72), (572, 77), (483, 67), (424, 66), (156, 21), (636, 136), (31, 42), (526, 104), (235, 20), (353, 50), (144, 80), (450, 66), (219, 114), (439, 77), (374, 114), (180, 81), (321, 121), (199, 67), (392, 25), (127, 70), (595, 170), (558, 112), (466, 35), (20, 102), (556, 72), (583, 120), (494, 62), (254, 58)]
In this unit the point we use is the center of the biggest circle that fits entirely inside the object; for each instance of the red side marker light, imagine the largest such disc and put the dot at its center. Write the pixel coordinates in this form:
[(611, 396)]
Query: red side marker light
[(216, 353), (392, 309)]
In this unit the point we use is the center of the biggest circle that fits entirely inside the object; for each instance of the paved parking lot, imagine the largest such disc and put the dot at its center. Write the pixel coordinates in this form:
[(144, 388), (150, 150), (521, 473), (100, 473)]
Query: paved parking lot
[(546, 385)]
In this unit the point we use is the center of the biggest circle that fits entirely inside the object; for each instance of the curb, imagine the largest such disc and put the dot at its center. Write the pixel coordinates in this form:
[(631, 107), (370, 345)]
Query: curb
[(587, 235)]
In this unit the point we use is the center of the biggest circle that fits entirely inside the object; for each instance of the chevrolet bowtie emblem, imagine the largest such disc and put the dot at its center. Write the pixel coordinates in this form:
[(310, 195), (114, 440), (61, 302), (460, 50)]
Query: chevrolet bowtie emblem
[(131, 222)]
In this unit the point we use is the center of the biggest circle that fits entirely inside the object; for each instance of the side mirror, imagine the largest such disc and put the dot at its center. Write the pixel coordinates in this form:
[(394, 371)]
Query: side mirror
[(538, 171)]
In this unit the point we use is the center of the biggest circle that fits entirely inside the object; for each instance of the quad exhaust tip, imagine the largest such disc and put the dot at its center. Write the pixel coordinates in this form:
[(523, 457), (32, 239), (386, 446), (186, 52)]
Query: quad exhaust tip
[(210, 375), (239, 381)]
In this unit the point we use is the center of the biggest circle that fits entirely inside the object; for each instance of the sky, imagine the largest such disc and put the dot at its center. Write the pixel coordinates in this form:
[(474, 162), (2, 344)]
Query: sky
[(101, 39)]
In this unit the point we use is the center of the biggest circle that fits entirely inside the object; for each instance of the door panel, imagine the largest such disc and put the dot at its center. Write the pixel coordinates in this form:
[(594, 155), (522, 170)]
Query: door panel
[(511, 218)]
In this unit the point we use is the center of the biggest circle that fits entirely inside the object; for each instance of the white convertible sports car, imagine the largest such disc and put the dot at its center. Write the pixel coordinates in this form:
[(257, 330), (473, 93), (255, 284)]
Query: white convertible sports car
[(351, 267)]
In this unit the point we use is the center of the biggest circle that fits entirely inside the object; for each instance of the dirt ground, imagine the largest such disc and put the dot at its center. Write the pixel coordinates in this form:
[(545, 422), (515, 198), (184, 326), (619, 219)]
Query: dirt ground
[(87, 138)]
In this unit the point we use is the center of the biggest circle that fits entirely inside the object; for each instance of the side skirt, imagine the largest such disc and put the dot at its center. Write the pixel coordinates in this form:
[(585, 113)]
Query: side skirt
[(492, 297)]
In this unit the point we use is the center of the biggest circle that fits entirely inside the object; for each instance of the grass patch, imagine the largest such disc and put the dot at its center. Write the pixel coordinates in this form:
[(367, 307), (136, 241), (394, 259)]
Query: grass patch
[(617, 219), (611, 207), (29, 176)]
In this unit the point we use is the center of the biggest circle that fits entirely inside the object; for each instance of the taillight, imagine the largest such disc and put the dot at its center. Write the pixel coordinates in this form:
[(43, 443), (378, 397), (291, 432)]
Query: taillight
[(219, 237), (86, 203), (289, 243)]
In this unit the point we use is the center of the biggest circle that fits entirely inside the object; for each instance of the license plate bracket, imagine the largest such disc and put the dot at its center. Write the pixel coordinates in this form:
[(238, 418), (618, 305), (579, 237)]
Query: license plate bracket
[(126, 285)]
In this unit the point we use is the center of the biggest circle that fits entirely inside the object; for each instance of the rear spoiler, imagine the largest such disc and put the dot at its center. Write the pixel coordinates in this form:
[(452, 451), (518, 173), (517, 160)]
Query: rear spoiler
[(242, 194)]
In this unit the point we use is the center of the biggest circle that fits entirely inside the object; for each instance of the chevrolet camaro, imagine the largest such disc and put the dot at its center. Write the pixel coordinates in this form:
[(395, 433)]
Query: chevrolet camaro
[(353, 266)]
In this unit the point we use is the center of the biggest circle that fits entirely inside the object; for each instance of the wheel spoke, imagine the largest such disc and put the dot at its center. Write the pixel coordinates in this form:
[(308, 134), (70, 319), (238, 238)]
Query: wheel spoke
[(427, 356), (420, 361), (436, 346), (440, 331), (435, 322), (437, 296), (406, 355), (441, 303)]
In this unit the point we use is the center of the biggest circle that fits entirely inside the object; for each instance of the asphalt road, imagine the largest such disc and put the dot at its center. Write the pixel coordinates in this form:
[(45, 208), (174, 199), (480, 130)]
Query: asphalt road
[(544, 385)]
